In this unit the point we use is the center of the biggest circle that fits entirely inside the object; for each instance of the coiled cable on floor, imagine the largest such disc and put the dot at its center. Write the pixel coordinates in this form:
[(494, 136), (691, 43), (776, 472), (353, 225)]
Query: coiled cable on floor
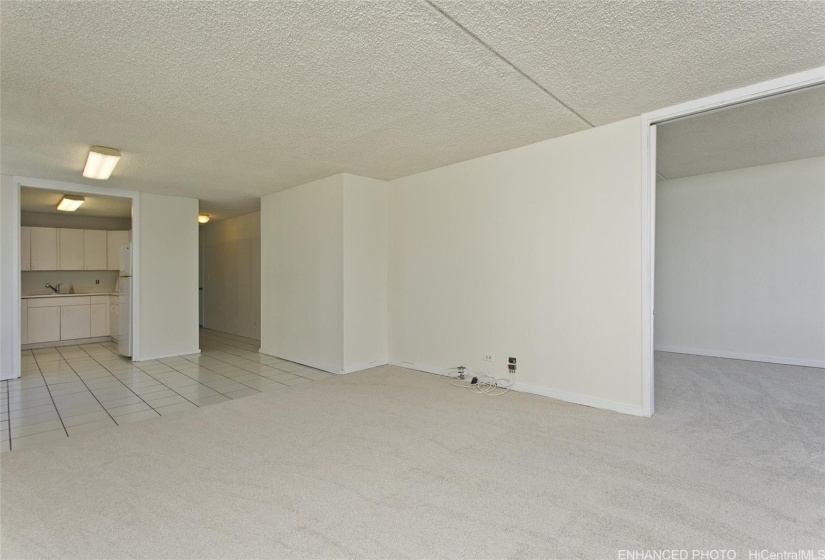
[(485, 384)]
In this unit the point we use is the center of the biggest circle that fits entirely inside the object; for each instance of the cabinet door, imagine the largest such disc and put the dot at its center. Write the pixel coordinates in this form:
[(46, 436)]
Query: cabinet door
[(43, 248), (70, 244), (24, 321), (25, 248), (43, 324), (98, 320), (75, 322), (115, 240), (114, 317), (94, 249)]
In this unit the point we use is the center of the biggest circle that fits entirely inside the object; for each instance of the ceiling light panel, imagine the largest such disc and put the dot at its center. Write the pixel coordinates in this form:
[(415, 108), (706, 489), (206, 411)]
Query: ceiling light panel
[(101, 162)]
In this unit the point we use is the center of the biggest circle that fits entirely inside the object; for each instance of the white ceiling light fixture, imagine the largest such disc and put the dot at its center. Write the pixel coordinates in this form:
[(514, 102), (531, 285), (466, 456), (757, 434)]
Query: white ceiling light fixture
[(70, 203), (101, 162), (203, 218)]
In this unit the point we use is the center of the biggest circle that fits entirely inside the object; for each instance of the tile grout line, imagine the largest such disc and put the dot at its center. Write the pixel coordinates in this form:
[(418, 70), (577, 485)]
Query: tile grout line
[(216, 373), (156, 380), (130, 389), (54, 404), (90, 391), (164, 384), (254, 362), (229, 348), (231, 379)]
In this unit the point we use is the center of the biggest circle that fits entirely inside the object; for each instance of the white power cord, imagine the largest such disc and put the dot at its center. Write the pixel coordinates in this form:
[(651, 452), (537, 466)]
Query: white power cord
[(485, 384)]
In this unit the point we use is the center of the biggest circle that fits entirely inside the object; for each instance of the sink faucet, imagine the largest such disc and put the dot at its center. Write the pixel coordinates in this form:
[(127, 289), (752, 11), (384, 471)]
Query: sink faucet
[(55, 289)]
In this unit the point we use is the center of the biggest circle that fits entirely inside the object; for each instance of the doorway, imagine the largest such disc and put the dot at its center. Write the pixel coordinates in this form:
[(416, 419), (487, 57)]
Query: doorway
[(16, 289), (658, 120), (75, 261)]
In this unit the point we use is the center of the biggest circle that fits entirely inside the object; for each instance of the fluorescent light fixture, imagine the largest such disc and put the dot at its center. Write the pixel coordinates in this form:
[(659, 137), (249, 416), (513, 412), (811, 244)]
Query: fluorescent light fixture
[(70, 203), (203, 218), (101, 162)]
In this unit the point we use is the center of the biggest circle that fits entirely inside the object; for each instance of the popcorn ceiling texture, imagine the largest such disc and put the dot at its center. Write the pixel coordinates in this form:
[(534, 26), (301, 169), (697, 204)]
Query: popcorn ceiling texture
[(782, 128), (614, 60), (230, 101)]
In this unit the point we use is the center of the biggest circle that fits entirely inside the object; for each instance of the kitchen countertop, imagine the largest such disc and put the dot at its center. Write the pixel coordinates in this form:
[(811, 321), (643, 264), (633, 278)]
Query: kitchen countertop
[(67, 295)]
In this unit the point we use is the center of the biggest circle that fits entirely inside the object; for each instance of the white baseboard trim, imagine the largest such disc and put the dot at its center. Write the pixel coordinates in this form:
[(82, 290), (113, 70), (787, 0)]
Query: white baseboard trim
[(163, 357), (309, 363), (362, 367), (541, 391), (585, 400), (418, 367), (59, 343), (738, 356)]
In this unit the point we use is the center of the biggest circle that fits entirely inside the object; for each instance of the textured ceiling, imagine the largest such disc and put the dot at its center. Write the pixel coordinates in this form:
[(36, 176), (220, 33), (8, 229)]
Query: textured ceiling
[(614, 60), (45, 202), (780, 128), (228, 101)]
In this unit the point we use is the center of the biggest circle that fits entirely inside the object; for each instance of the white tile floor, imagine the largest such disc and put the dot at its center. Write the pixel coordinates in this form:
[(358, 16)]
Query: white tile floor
[(74, 390)]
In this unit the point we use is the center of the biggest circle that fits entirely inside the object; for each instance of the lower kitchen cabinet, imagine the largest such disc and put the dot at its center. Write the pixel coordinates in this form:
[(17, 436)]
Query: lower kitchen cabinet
[(75, 322), (114, 317), (43, 324), (98, 319), (68, 318)]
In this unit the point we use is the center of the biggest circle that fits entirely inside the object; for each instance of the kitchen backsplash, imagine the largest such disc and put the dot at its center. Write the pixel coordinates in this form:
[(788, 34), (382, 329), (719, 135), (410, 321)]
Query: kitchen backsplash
[(34, 282)]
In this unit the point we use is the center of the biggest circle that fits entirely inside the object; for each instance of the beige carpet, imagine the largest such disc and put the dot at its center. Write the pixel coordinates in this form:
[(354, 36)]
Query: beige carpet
[(391, 463)]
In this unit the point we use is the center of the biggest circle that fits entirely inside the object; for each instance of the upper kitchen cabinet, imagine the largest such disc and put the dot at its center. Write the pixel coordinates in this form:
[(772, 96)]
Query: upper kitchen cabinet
[(94, 249), (43, 244), (115, 240), (70, 246), (25, 248)]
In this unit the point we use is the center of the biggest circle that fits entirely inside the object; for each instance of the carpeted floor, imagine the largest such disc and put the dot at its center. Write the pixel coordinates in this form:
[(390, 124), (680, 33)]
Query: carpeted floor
[(391, 463)]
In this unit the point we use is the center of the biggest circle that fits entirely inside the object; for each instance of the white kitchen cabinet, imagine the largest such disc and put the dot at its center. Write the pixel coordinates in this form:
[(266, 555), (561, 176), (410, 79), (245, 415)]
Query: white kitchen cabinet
[(24, 321), (25, 248), (75, 322), (70, 247), (43, 248), (94, 249), (43, 324), (99, 316), (114, 317), (115, 240)]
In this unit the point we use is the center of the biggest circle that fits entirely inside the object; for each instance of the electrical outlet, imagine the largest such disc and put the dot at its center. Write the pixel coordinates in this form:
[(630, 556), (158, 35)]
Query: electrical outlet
[(488, 358)]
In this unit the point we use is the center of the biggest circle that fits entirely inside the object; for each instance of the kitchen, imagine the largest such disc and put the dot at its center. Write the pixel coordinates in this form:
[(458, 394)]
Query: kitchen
[(75, 262)]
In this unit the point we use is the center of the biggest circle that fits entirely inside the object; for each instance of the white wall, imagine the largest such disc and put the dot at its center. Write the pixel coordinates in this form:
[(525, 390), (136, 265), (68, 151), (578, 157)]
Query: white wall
[(533, 253), (302, 303), (324, 267), (231, 251), (365, 272), (9, 305), (168, 276), (740, 263)]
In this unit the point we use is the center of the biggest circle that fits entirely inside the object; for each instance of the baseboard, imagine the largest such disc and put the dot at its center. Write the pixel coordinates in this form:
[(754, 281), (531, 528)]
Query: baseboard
[(164, 356), (419, 367), (585, 400), (745, 357), (309, 363), (60, 343), (540, 391), (367, 365)]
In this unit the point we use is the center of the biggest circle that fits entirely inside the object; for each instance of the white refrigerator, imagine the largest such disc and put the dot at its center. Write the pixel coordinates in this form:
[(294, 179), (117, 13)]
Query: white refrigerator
[(124, 282)]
